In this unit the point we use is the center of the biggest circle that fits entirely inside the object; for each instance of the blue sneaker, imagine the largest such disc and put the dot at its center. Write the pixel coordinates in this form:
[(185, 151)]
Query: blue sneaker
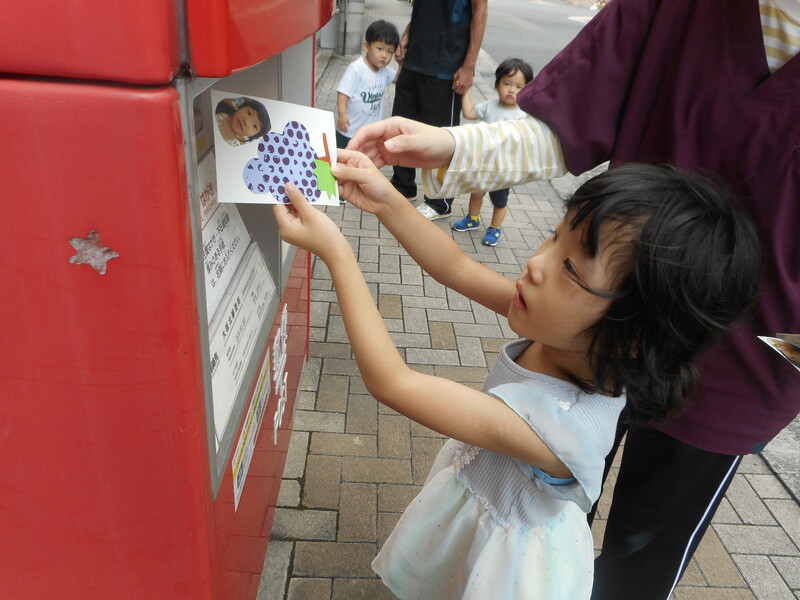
[(492, 235), (467, 223)]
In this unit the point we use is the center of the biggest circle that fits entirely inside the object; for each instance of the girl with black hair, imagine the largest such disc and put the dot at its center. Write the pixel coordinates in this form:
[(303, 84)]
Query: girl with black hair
[(648, 267), (241, 120)]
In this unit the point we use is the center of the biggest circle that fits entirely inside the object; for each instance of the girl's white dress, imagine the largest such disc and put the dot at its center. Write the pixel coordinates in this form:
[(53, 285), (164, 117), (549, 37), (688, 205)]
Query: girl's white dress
[(489, 527)]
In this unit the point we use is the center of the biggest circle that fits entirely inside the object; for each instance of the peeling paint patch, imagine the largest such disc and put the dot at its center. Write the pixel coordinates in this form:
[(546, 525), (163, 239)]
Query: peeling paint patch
[(91, 252)]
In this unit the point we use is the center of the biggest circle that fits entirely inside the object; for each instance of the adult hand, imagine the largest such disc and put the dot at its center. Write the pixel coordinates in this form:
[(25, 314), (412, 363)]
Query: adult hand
[(400, 51), (399, 141), (302, 225), (463, 79), (362, 184)]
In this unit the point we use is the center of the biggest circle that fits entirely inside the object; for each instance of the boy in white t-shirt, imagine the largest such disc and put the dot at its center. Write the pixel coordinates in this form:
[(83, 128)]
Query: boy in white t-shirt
[(509, 78), (360, 92)]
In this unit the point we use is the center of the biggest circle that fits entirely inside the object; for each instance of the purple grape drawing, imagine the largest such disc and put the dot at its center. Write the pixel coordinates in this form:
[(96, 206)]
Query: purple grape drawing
[(286, 156)]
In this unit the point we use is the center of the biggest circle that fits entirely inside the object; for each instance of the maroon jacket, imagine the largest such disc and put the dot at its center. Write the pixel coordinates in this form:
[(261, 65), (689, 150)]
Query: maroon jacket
[(686, 82)]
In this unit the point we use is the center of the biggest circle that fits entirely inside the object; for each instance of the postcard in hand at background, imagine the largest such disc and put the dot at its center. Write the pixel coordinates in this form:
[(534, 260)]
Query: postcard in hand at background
[(787, 345), (261, 143)]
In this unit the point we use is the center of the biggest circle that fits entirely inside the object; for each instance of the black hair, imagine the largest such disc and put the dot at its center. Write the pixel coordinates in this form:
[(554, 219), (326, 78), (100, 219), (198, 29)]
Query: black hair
[(510, 66), (688, 264), (225, 107), (382, 31), (262, 113)]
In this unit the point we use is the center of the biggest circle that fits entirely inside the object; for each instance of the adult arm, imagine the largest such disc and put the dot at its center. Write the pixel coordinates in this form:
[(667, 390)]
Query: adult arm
[(493, 156), (400, 51), (463, 78)]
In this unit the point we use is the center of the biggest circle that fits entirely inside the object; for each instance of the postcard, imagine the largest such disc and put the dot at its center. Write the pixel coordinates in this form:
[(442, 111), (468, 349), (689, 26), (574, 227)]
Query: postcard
[(261, 144), (787, 345)]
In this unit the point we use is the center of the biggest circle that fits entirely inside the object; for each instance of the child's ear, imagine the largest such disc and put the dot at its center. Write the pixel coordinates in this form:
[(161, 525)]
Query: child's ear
[(366, 46)]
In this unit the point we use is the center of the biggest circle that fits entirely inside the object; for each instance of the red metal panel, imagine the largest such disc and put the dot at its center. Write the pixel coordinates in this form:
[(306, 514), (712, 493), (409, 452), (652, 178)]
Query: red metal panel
[(103, 457), (132, 42), (243, 535), (227, 36)]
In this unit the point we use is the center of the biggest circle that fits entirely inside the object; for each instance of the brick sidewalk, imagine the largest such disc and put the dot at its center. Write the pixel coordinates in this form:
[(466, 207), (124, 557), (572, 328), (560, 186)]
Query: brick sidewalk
[(353, 465)]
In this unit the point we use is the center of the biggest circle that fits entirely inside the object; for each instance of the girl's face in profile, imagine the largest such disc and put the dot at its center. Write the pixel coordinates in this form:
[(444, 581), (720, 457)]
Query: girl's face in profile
[(245, 122), (551, 305)]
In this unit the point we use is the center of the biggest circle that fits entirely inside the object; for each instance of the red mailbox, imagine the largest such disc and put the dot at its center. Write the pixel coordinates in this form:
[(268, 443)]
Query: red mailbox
[(148, 370)]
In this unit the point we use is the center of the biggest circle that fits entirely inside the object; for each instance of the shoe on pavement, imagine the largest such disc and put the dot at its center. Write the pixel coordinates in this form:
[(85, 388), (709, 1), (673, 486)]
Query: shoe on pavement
[(427, 211), (492, 235), (467, 223)]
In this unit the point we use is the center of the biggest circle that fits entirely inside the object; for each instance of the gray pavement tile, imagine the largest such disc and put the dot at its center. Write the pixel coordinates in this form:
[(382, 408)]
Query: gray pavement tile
[(433, 289), (289, 494), (756, 539), (768, 486), (275, 571), (336, 366), (410, 275), (309, 379), (383, 278), (303, 524), (360, 589), (331, 349), (704, 593), (308, 588), (411, 290), (423, 453), (395, 498), (725, 513), (336, 332), (376, 470), (333, 559), (747, 504), (470, 351), (318, 314), (362, 414), (431, 357), (763, 578), (322, 483), (305, 400), (787, 513), (358, 513), (420, 301), (313, 420), (411, 340), (343, 444), (386, 523), (487, 330), (394, 436), (451, 316), (333, 391), (296, 456), (789, 568), (415, 319)]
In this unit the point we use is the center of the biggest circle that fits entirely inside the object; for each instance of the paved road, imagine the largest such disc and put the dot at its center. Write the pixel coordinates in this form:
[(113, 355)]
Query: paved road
[(533, 30)]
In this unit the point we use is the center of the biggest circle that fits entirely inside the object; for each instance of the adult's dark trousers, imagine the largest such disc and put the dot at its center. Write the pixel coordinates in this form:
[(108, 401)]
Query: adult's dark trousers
[(429, 100), (665, 496)]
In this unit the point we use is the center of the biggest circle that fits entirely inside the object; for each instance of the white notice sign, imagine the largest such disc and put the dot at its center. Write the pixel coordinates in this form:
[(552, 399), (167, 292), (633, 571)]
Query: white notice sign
[(231, 344), (225, 237)]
